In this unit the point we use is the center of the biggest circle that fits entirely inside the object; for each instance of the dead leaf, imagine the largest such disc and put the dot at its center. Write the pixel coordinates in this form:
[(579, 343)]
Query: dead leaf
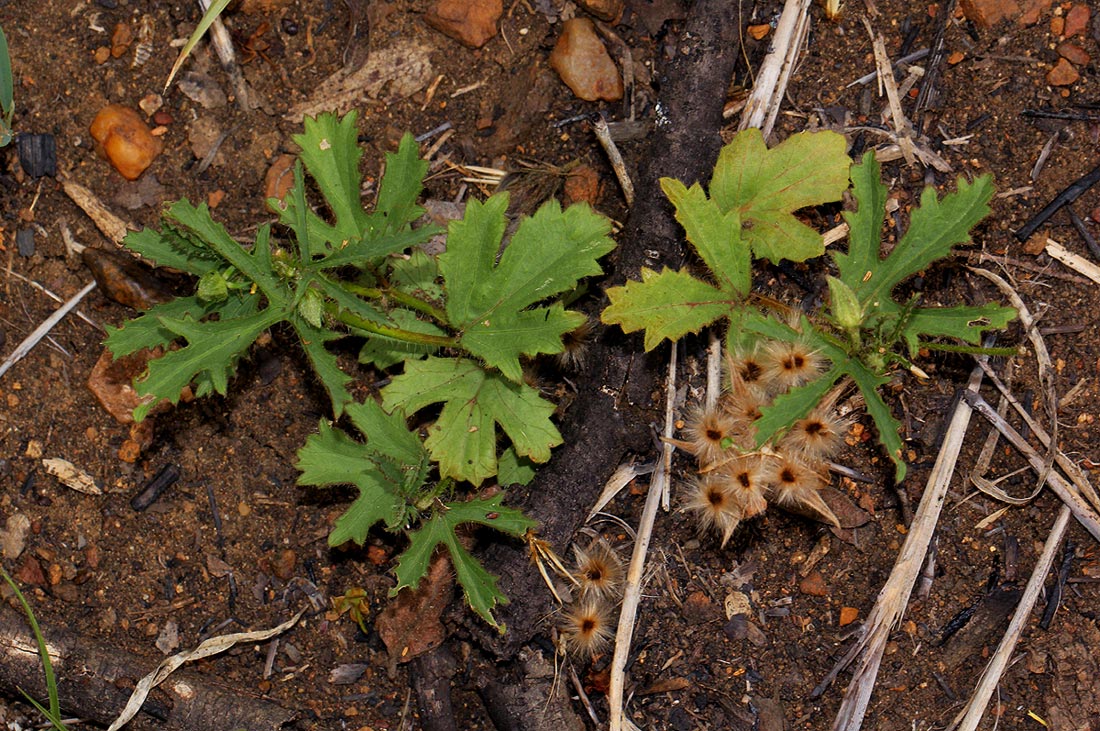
[(71, 476), (403, 67), (411, 625)]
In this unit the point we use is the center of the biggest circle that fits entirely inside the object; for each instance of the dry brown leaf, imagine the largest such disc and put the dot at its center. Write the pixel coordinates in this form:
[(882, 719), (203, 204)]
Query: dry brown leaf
[(410, 625)]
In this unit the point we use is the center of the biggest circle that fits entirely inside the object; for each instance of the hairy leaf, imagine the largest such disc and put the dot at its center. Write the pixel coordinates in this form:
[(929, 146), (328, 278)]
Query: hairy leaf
[(331, 153), (479, 586), (767, 186), (213, 350), (965, 323), (382, 351), (936, 226), (488, 302), (475, 401), (389, 468), (401, 185), (670, 304)]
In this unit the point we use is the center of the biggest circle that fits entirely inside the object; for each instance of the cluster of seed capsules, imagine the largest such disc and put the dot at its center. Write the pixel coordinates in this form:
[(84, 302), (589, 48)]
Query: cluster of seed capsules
[(587, 623), (737, 479)]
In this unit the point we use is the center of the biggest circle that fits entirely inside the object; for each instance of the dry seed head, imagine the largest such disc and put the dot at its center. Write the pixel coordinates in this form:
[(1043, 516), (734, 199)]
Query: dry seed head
[(791, 482), (599, 570), (743, 406), (745, 483), (815, 438), (710, 432), (575, 344), (586, 628), (714, 505), (743, 368), (787, 365)]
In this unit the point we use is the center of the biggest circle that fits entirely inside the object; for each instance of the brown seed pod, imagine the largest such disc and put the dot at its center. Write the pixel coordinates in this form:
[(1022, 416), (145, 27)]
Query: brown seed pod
[(746, 484), (714, 505), (787, 365), (599, 571), (815, 438), (710, 433), (586, 628)]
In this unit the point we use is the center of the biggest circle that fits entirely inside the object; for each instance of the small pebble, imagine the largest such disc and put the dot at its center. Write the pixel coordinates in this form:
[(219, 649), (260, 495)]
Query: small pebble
[(813, 584), (123, 279), (471, 22), (1073, 53), (848, 615), (1077, 20), (583, 63), (1063, 74), (24, 241), (124, 139), (285, 564), (130, 451)]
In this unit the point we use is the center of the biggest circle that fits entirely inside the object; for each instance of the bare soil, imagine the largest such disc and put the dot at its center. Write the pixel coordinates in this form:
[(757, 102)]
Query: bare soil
[(231, 545)]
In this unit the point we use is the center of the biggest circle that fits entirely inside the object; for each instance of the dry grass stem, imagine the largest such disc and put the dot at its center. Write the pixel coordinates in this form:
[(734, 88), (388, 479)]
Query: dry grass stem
[(622, 477), (771, 79), (1042, 361), (1079, 264), (632, 593), (894, 596), (902, 127), (969, 718), (42, 330), (55, 298), (1061, 486), (112, 226), (603, 134)]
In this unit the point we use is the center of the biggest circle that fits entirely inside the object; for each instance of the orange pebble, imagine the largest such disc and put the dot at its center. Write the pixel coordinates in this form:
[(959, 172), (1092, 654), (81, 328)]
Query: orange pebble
[(125, 140)]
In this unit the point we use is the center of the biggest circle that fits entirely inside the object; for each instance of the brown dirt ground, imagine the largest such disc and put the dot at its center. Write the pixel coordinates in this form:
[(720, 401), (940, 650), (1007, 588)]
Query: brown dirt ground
[(95, 563)]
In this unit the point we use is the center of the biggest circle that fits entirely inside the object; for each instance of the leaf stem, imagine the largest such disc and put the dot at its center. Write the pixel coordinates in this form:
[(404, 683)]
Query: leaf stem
[(408, 336), (402, 298)]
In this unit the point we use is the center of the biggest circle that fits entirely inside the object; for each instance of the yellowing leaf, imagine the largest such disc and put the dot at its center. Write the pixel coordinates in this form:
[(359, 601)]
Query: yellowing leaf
[(464, 438), (670, 304), (767, 186)]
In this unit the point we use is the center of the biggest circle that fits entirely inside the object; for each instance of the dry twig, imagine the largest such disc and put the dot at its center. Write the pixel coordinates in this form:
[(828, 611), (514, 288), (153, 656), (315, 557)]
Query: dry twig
[(894, 595), (632, 593), (771, 80), (971, 715)]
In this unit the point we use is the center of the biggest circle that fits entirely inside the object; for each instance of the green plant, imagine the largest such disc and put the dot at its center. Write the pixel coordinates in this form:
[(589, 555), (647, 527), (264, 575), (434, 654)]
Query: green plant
[(460, 325), (53, 713), (7, 91), (748, 213)]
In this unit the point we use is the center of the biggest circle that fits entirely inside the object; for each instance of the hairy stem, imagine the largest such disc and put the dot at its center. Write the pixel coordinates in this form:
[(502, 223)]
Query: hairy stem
[(402, 298), (408, 336)]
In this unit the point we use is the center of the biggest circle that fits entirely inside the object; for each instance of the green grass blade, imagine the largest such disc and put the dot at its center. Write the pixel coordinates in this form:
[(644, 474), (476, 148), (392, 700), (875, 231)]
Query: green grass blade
[(54, 713), (216, 8), (7, 90)]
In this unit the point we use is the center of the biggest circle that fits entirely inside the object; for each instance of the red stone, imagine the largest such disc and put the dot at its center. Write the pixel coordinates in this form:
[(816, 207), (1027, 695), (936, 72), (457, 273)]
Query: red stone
[(1077, 21), (988, 13), (1073, 53), (1063, 74)]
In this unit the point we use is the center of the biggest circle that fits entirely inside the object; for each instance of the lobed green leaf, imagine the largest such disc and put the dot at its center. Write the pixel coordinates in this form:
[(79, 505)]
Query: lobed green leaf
[(670, 304), (475, 401), (213, 348), (767, 186), (479, 586), (401, 185), (487, 301), (715, 234)]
